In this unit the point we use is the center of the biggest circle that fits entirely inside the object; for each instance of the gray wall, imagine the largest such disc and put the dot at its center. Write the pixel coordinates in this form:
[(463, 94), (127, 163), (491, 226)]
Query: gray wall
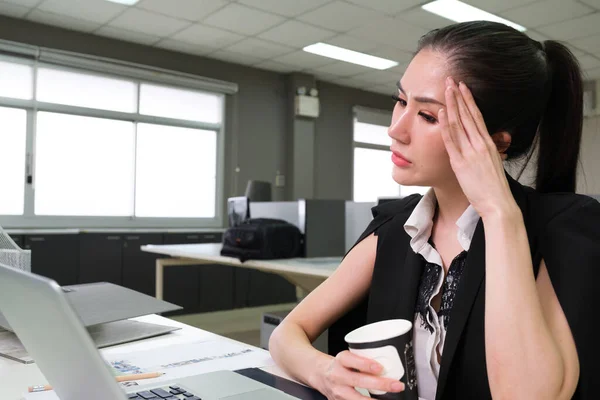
[(258, 119)]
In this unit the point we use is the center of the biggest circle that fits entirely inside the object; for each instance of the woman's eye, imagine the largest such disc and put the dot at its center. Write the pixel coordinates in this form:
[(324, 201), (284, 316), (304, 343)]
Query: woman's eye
[(399, 100), (429, 118)]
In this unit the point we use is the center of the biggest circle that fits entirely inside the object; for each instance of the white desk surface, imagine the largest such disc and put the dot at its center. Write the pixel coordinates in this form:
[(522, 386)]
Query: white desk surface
[(15, 377), (321, 267)]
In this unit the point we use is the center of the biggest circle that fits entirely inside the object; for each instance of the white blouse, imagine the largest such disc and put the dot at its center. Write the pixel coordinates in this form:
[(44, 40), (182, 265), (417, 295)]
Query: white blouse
[(429, 331)]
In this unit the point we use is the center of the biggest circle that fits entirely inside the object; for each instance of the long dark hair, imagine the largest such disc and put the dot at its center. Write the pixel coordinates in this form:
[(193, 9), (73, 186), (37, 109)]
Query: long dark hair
[(530, 89)]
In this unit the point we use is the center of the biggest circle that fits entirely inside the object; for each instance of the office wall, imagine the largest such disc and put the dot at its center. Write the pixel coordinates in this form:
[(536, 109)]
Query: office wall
[(589, 171)]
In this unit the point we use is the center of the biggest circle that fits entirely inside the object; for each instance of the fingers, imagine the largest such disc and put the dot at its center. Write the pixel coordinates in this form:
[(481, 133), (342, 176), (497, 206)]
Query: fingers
[(352, 361), (470, 126), (451, 147), (350, 370), (455, 126), (472, 106)]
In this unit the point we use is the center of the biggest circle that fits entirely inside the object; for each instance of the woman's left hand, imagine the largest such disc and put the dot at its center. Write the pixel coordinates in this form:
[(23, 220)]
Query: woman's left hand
[(474, 156)]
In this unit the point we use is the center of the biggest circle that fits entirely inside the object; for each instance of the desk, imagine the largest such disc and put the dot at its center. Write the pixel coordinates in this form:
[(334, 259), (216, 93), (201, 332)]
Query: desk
[(16, 377), (305, 273)]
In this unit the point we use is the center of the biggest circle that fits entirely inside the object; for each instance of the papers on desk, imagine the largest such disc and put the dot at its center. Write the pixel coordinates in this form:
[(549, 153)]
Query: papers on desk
[(180, 360), (185, 359)]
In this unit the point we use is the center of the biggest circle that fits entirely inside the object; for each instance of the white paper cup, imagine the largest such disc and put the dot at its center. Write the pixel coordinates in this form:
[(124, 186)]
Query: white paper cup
[(387, 343)]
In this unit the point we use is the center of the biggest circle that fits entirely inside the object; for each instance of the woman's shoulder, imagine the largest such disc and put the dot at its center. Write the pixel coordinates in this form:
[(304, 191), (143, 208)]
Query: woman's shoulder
[(392, 208), (555, 207)]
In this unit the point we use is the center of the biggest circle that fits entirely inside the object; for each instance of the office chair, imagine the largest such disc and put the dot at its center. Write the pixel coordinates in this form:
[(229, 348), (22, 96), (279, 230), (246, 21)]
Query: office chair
[(258, 191)]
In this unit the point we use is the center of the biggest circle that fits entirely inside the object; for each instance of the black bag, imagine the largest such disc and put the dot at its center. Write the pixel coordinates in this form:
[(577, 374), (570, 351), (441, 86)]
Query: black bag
[(263, 239)]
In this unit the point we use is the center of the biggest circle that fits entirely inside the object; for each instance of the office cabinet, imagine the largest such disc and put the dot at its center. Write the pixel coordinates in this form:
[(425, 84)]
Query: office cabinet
[(257, 288), (100, 258), (54, 256), (199, 288), (139, 267)]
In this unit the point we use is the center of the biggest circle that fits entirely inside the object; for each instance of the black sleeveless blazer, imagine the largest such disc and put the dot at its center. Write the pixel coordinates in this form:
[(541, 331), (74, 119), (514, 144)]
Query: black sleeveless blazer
[(563, 229)]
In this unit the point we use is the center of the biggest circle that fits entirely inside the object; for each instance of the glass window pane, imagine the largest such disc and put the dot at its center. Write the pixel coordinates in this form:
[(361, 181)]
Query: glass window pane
[(169, 102), (176, 172), (369, 133), (84, 166), (12, 160), (16, 80), (373, 175), (86, 90)]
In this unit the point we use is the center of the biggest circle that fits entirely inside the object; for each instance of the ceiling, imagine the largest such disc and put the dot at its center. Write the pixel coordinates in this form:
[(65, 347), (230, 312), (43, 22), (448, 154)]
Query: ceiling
[(270, 34)]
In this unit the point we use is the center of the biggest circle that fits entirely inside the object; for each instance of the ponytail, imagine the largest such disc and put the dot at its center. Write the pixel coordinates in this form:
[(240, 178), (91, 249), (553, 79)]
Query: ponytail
[(561, 125)]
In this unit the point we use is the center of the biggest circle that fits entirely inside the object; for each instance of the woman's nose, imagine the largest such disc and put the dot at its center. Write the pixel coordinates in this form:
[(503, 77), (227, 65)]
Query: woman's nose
[(399, 128)]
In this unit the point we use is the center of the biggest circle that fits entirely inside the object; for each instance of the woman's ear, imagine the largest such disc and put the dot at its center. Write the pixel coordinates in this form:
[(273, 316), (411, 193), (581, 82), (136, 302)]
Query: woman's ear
[(502, 141)]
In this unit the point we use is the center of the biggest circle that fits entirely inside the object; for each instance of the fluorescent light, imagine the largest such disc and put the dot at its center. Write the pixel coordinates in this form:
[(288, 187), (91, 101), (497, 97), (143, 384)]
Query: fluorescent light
[(461, 12), (354, 57), (126, 2)]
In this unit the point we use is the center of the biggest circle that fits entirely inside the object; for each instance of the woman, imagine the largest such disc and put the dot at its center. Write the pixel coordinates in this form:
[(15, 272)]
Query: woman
[(497, 278)]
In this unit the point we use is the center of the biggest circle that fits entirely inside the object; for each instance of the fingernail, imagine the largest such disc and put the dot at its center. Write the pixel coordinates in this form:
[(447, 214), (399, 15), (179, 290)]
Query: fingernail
[(375, 367), (397, 386)]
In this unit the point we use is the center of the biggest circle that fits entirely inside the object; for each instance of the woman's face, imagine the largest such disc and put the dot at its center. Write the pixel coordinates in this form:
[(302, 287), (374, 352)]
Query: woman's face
[(419, 155)]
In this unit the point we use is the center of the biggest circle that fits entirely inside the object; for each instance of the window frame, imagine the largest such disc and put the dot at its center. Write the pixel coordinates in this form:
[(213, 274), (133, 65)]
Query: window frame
[(147, 75)]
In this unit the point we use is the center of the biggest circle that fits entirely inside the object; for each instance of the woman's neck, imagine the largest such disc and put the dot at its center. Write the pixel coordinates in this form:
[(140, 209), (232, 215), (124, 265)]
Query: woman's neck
[(451, 204)]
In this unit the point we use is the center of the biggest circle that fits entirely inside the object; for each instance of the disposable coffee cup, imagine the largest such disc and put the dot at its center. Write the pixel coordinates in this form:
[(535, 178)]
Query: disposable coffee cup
[(388, 343)]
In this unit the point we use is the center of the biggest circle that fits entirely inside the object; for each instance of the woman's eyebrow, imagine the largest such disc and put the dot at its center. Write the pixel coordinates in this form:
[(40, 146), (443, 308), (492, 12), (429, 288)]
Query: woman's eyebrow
[(420, 99)]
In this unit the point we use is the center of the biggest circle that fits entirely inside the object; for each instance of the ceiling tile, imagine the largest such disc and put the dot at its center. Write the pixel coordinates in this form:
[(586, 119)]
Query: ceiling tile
[(424, 19), (62, 21), (590, 43), (100, 11), (546, 12), (303, 60), (243, 20), (573, 28), (191, 10), (297, 34), (126, 35), (591, 74), (275, 66), (588, 62), (392, 53), (236, 58), (13, 10), (339, 16), (24, 3), (343, 69), (390, 7), (495, 6), (352, 43), (185, 47), (381, 89), (379, 78), (207, 36), (592, 3), (148, 22), (389, 31), (288, 8), (260, 48)]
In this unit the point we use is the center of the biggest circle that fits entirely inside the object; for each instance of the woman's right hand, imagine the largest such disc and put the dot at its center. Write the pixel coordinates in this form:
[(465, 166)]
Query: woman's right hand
[(348, 371)]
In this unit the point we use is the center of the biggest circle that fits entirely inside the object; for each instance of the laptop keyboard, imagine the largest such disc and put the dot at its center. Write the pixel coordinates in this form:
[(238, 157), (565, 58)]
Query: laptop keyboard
[(168, 392)]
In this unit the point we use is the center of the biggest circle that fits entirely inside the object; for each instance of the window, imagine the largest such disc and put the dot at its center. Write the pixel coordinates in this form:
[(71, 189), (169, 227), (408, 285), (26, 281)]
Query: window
[(372, 158), (12, 160), (86, 149)]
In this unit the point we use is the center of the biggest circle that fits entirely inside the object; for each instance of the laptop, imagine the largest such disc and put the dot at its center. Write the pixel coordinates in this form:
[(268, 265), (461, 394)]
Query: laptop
[(40, 314)]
